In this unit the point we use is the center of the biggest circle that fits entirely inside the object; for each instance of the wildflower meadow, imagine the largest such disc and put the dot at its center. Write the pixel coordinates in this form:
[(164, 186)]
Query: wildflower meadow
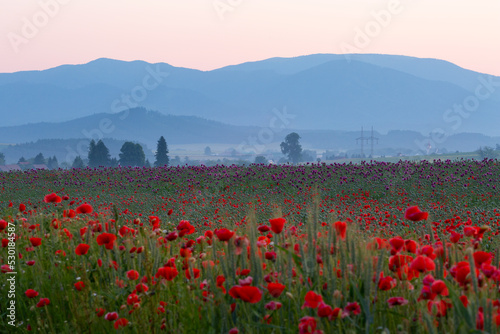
[(407, 247)]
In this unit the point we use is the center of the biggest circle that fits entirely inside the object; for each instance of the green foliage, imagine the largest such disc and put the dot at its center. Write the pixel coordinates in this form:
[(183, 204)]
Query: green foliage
[(98, 155), (53, 163), (292, 148), (78, 163), (260, 159), (488, 152), (132, 155), (39, 159), (161, 154), (208, 150)]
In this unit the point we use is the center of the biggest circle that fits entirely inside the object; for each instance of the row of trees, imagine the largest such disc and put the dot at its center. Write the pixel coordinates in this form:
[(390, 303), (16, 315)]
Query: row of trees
[(489, 152), (131, 154)]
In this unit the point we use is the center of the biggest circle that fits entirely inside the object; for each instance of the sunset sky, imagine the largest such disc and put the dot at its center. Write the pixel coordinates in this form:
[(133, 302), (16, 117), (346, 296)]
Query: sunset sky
[(208, 34)]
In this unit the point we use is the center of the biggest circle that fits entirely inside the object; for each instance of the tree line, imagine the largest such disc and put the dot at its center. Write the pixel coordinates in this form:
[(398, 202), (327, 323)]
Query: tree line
[(131, 155)]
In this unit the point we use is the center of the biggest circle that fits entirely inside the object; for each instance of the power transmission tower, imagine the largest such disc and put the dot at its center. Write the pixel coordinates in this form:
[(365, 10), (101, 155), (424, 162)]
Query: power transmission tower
[(362, 140), (370, 139)]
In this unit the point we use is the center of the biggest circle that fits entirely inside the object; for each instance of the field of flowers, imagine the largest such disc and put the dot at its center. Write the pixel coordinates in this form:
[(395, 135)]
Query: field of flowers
[(409, 247)]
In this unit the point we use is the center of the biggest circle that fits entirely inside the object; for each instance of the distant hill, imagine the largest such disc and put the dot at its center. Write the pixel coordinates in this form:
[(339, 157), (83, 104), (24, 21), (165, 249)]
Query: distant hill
[(146, 127), (322, 92), (137, 124)]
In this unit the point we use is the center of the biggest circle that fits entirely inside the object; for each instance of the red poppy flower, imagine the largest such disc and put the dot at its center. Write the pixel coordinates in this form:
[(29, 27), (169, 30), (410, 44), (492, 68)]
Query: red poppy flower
[(307, 325), (455, 237), (422, 264), (249, 294), (312, 299), (264, 228), (43, 302), (172, 236), (234, 330), (82, 249), (30, 293), (397, 244), (120, 323), (271, 256), (170, 212), (5, 268), (272, 306), (196, 273), (411, 246), (426, 293), (277, 224), (111, 316), (84, 208), (386, 283), (133, 298), (35, 242), (69, 213), (324, 310), (132, 275), (396, 301), (22, 207), (465, 301), (107, 239), (275, 289), (99, 311), (185, 228), (168, 273), (3, 225), (340, 228), (437, 308), (353, 308), (224, 234), (398, 261), (79, 285), (52, 198), (439, 287), (460, 272), (413, 213), (481, 257)]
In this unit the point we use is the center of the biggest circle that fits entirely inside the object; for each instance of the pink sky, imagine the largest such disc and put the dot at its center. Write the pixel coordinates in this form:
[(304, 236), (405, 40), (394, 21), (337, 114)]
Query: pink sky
[(192, 33)]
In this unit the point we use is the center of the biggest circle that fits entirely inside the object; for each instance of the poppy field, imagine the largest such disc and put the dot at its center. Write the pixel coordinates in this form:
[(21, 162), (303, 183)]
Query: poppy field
[(407, 247)]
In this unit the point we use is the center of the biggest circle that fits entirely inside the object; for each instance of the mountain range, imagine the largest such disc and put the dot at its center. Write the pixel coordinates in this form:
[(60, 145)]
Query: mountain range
[(315, 92)]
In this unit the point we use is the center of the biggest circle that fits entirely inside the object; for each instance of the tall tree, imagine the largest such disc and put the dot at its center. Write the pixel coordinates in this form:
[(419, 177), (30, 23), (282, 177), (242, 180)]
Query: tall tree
[(92, 156), (260, 159), (53, 163), (39, 159), (292, 148), (132, 155), (161, 154), (2, 159), (99, 155), (78, 163)]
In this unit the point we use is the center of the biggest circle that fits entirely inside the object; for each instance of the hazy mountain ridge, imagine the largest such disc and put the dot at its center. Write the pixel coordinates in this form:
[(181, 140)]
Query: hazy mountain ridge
[(321, 91)]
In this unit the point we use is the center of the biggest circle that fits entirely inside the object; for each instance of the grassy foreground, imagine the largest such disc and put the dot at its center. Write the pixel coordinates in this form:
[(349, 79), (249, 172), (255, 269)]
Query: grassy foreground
[(268, 249)]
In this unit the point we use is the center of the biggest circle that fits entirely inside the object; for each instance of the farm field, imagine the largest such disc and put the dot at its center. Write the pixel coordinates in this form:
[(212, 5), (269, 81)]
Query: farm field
[(406, 247)]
